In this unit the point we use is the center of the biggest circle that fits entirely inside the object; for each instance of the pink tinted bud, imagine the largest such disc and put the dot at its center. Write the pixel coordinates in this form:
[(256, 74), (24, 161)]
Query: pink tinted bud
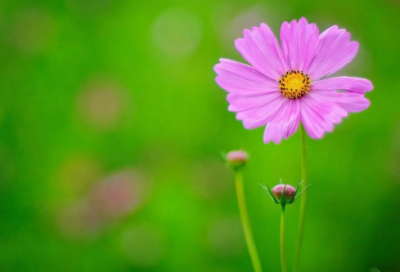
[(277, 191), (237, 159), (237, 156)]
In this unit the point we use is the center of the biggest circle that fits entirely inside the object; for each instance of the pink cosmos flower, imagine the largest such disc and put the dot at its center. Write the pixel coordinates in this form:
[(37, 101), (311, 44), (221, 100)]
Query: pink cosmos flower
[(286, 83)]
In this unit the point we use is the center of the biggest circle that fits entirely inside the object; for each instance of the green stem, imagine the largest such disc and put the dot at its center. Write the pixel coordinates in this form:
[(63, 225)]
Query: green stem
[(245, 222), (303, 200), (283, 255)]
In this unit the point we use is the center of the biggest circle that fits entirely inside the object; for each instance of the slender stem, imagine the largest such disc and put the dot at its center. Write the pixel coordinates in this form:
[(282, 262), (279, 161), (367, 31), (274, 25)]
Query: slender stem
[(303, 200), (245, 222), (283, 255)]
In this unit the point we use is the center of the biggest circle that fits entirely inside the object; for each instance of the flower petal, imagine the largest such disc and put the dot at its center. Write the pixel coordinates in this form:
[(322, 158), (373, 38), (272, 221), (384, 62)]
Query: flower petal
[(349, 101), (334, 51), (239, 78), (299, 43), (318, 115), (285, 122), (239, 102), (261, 49), (260, 116), (352, 84)]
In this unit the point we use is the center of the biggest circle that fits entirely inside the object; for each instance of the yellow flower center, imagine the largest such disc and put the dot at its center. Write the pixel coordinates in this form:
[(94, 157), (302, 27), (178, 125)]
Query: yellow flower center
[(294, 84)]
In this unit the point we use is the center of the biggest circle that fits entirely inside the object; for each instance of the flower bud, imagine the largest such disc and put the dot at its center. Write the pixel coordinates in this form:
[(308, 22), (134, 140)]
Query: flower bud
[(277, 191), (237, 159), (276, 194)]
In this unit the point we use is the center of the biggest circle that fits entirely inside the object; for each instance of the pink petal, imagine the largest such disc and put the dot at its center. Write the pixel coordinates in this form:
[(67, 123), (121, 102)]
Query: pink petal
[(349, 101), (285, 122), (260, 116), (255, 97), (299, 43), (261, 49), (240, 102), (239, 78), (352, 84), (334, 51), (318, 115)]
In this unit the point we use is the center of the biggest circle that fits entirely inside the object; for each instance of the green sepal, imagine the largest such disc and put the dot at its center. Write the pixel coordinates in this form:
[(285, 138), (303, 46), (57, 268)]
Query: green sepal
[(297, 195), (283, 199), (269, 193)]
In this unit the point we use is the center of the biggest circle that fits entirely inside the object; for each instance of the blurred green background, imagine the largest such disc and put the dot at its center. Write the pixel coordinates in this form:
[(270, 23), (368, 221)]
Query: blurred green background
[(112, 128)]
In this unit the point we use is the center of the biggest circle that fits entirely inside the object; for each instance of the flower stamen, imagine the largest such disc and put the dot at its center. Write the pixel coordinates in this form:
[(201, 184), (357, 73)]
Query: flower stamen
[(294, 84)]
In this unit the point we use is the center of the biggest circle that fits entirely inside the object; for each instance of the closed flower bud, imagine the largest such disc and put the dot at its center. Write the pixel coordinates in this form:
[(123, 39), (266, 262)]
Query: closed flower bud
[(237, 159), (277, 191)]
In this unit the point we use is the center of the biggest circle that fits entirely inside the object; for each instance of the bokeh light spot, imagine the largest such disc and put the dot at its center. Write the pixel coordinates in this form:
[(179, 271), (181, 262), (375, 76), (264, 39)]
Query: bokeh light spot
[(118, 193), (32, 31), (177, 32), (102, 104)]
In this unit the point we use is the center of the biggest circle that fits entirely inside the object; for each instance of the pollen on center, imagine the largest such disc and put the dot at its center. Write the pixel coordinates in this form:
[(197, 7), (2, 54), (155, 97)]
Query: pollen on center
[(294, 84)]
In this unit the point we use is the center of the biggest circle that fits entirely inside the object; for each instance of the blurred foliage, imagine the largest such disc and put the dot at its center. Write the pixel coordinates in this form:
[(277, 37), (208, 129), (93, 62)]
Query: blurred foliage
[(112, 128)]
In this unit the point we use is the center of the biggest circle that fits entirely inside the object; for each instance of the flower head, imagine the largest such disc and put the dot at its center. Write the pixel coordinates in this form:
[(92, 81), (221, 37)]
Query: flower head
[(286, 83), (236, 159), (277, 191), (283, 194)]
